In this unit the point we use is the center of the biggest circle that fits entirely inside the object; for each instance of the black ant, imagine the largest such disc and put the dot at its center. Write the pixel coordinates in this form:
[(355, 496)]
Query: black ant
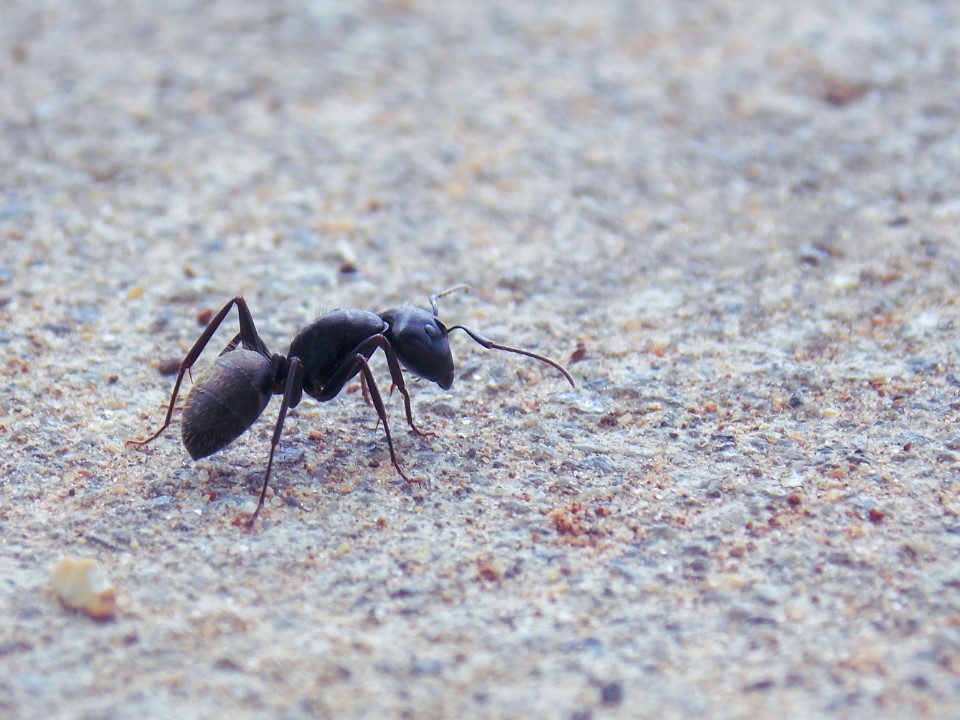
[(231, 394)]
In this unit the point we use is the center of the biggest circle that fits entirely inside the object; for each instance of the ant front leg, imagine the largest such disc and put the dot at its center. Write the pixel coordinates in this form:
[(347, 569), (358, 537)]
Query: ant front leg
[(248, 335), (349, 368), (396, 380), (381, 413), (367, 348), (396, 377)]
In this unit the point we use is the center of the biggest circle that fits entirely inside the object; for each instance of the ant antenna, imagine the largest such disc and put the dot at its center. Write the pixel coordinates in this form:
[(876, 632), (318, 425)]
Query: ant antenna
[(491, 345), (437, 295)]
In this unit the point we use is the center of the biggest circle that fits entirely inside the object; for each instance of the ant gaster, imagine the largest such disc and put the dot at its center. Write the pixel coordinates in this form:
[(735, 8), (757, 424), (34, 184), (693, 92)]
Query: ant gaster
[(231, 394)]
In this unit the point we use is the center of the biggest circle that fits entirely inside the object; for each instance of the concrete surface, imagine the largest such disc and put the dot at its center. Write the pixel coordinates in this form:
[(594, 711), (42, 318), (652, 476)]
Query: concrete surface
[(735, 221)]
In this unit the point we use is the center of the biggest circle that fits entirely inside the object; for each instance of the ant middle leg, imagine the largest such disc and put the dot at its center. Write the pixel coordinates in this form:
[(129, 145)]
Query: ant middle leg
[(291, 397)]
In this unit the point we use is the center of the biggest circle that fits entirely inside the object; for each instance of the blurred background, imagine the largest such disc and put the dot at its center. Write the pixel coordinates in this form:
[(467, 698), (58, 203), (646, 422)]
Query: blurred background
[(734, 221)]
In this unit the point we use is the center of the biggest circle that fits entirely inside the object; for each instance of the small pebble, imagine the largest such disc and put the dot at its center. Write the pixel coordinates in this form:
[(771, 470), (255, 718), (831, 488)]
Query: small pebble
[(81, 584), (611, 693)]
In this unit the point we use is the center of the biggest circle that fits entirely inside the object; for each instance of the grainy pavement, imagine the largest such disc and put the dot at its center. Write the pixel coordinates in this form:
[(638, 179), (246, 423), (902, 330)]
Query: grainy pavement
[(737, 222)]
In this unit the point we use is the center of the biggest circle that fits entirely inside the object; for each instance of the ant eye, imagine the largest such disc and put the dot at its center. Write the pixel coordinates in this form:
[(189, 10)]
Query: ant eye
[(432, 331)]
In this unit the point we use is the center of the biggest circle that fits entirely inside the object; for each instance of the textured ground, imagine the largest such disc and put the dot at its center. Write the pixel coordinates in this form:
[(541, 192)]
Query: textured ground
[(735, 221)]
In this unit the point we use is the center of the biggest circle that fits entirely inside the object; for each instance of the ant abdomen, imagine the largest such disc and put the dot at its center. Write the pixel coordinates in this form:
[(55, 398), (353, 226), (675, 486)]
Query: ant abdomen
[(226, 399)]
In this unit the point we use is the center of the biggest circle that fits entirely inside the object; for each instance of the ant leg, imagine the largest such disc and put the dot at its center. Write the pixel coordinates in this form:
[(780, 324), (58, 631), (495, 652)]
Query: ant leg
[(366, 396), (248, 334), (396, 377), (166, 423), (233, 344), (348, 369), (367, 348), (293, 386), (363, 389), (381, 412)]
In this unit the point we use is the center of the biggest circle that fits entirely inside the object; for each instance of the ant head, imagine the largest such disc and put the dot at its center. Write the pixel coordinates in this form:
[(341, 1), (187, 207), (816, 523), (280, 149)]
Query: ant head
[(420, 341)]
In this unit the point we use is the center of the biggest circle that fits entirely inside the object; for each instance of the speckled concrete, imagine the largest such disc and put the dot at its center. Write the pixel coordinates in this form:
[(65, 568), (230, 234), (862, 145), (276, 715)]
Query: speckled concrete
[(735, 221)]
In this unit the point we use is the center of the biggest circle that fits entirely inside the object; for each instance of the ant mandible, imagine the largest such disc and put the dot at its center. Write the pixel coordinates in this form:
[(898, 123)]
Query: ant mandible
[(233, 392)]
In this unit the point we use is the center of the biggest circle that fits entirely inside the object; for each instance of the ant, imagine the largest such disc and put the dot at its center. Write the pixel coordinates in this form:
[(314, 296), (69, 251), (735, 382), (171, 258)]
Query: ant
[(229, 396)]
